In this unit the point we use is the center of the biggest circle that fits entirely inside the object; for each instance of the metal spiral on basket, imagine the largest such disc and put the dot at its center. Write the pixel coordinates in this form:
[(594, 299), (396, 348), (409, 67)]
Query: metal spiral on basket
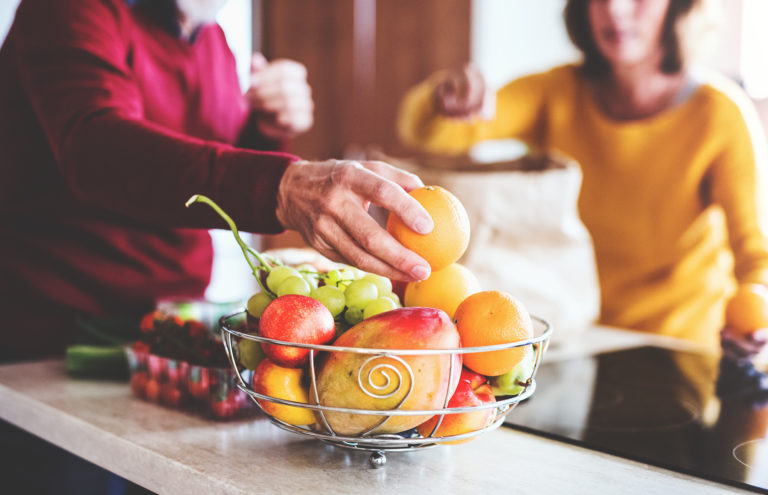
[(372, 390), (381, 367)]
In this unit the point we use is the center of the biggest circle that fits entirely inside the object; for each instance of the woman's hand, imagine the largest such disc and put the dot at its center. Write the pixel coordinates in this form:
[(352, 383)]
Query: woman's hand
[(738, 345), (462, 94), (327, 202), (280, 92)]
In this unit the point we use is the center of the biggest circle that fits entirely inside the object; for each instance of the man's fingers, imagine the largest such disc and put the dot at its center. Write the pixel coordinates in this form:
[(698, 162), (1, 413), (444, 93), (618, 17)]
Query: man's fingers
[(285, 104), (281, 70), (258, 62), (388, 195), (284, 89), (369, 247), (403, 178)]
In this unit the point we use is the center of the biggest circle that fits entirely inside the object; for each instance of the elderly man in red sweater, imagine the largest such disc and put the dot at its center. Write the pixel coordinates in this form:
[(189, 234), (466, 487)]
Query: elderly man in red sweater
[(112, 114)]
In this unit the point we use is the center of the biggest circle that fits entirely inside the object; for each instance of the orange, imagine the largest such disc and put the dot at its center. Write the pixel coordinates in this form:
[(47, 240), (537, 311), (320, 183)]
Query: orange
[(444, 289), (488, 318), (747, 310), (449, 237)]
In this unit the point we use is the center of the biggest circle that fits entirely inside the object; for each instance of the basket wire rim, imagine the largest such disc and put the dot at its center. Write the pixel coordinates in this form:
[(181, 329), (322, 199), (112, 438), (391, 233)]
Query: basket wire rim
[(545, 336)]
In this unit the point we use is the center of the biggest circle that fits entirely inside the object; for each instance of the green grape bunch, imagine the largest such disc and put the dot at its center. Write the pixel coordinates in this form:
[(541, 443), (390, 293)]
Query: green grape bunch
[(350, 294)]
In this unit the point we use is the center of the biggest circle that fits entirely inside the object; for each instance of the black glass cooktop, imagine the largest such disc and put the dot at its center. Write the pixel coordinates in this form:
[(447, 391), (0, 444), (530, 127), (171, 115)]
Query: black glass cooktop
[(682, 411)]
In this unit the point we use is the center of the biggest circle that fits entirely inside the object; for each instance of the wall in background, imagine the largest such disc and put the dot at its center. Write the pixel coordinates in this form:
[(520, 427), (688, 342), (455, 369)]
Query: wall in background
[(7, 11), (511, 38)]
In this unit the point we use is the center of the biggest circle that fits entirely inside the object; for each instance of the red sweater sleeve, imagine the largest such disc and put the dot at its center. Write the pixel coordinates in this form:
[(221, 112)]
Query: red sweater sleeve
[(73, 57)]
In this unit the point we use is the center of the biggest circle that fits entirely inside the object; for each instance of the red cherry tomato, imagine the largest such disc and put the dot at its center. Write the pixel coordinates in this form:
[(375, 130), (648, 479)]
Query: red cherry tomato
[(170, 395), (199, 382), (152, 390), (139, 383), (238, 398), (223, 409), (140, 347), (173, 372)]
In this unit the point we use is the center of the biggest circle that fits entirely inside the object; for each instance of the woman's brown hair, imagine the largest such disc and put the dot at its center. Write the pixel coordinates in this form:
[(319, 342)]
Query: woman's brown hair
[(595, 65)]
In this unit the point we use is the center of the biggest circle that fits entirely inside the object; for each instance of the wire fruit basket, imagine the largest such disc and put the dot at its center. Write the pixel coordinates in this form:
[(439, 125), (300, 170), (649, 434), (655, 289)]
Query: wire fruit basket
[(382, 375)]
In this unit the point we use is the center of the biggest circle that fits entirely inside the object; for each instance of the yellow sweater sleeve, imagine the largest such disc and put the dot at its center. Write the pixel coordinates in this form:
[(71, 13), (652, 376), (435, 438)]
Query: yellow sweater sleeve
[(519, 111), (739, 183)]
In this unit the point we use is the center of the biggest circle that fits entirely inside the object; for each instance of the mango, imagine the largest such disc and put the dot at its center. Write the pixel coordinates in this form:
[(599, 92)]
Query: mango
[(383, 382)]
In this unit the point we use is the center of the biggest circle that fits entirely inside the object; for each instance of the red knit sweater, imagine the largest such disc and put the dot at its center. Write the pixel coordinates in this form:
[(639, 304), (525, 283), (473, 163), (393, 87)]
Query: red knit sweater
[(108, 123)]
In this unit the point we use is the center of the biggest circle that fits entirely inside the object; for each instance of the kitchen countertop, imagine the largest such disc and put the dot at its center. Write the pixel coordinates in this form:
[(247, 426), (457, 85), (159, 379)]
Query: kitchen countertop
[(172, 452)]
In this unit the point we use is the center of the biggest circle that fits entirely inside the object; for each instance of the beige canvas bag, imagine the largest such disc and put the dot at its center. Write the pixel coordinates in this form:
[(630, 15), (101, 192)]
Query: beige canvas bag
[(526, 234)]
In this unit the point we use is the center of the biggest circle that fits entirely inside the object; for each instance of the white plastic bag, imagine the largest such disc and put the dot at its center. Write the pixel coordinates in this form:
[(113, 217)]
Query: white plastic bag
[(526, 235)]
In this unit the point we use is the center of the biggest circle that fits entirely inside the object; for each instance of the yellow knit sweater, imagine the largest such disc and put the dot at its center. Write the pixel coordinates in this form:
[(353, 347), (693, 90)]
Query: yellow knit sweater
[(671, 201)]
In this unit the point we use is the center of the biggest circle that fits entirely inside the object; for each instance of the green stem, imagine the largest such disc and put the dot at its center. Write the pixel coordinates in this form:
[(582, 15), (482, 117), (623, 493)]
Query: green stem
[(199, 198)]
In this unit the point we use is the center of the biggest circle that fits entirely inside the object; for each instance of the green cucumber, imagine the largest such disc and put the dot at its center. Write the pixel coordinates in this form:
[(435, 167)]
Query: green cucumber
[(96, 361)]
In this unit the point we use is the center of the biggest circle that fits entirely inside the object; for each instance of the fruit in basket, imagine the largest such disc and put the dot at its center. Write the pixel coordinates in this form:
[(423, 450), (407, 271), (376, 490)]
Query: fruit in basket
[(378, 306), (444, 289), (370, 381), (278, 275), (331, 297), (294, 285), (257, 303), (282, 383), (359, 293), (515, 381), (747, 310), (489, 318), (450, 235), (250, 353), (299, 319), (472, 391)]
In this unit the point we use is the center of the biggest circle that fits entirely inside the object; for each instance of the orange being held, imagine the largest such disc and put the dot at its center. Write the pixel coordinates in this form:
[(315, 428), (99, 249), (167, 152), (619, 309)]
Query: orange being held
[(449, 237), (444, 289), (747, 310), (488, 318)]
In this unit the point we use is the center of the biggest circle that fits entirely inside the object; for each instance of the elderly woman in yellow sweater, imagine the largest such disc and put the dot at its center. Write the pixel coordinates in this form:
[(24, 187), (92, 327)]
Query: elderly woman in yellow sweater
[(674, 190)]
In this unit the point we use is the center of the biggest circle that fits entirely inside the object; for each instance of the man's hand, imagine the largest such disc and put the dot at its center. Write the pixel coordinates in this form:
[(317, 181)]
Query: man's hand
[(282, 97), (462, 94), (327, 202)]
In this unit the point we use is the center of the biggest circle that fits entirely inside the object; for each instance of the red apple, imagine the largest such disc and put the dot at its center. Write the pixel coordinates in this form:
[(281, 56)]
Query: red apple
[(299, 319), (472, 391)]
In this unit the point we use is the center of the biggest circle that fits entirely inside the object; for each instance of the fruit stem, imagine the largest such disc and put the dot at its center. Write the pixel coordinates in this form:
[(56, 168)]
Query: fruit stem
[(199, 198)]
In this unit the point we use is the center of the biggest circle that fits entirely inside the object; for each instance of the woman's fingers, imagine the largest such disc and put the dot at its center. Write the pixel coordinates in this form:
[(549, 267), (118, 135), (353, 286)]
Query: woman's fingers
[(740, 345), (462, 93)]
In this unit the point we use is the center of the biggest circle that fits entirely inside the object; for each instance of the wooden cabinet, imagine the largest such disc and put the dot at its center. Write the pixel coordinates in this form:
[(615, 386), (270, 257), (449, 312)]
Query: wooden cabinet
[(361, 55)]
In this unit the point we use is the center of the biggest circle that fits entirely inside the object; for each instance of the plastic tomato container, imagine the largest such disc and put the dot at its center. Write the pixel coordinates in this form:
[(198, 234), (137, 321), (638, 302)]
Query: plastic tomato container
[(209, 391)]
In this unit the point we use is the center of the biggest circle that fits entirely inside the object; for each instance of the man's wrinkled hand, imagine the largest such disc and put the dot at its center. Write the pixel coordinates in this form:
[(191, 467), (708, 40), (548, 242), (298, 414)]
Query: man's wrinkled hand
[(281, 96), (327, 202)]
